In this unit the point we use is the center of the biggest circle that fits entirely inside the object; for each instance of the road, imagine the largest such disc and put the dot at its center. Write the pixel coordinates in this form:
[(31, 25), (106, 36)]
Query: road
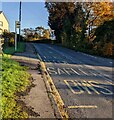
[(84, 82)]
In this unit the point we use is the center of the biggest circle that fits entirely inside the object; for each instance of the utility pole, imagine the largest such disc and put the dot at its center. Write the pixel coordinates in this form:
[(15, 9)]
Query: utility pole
[(20, 20)]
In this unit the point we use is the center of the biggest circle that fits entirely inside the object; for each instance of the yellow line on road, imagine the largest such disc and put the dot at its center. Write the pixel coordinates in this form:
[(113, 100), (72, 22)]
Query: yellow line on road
[(56, 95), (82, 106)]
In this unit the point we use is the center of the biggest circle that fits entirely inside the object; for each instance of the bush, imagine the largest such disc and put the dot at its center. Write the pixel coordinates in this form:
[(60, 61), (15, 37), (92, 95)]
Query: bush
[(11, 42)]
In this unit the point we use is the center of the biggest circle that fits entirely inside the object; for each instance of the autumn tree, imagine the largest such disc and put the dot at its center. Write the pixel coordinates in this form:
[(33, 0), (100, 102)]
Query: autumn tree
[(97, 13), (38, 33), (46, 34), (75, 24), (104, 38)]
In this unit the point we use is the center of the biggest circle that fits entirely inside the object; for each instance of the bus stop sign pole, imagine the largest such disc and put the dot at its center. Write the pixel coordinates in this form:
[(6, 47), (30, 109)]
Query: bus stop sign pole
[(15, 35)]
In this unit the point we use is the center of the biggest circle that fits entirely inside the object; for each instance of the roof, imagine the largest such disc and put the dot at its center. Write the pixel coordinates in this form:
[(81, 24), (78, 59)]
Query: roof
[(1, 12), (4, 16)]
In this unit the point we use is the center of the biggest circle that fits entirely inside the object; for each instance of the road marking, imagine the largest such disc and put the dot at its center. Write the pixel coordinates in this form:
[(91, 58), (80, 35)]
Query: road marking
[(83, 106), (79, 92), (103, 90), (75, 71), (83, 71), (60, 71), (79, 87), (51, 70), (56, 95), (45, 57), (98, 72), (39, 57), (66, 71), (86, 86), (93, 73)]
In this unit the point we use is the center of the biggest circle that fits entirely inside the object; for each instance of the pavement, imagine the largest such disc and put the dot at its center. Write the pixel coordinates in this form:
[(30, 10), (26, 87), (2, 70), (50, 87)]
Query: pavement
[(84, 82), (36, 100)]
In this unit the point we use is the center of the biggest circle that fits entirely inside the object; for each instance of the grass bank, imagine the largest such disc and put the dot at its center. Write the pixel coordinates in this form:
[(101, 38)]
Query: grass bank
[(15, 79), (11, 50)]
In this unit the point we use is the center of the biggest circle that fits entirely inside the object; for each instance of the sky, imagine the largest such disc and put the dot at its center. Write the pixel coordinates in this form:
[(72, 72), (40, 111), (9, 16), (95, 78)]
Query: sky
[(33, 14)]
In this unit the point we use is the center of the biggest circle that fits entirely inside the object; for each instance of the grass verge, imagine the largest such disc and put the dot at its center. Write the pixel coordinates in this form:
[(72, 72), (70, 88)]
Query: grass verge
[(11, 50), (15, 79)]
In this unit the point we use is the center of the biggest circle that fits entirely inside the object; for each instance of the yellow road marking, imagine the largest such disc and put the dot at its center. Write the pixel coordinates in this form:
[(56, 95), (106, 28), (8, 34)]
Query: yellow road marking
[(55, 94), (82, 106), (66, 82)]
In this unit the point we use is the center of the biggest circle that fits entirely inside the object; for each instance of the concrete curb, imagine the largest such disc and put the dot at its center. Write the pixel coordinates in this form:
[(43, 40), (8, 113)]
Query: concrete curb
[(57, 103)]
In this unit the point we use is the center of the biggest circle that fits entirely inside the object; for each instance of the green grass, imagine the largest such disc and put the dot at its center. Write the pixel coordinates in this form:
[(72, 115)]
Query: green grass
[(14, 79), (11, 50)]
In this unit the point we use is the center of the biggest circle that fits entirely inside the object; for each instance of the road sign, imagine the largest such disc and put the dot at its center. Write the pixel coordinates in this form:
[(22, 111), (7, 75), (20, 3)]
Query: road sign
[(17, 24)]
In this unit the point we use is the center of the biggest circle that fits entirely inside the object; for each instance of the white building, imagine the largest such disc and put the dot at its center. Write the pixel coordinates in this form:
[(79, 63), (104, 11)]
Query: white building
[(4, 24)]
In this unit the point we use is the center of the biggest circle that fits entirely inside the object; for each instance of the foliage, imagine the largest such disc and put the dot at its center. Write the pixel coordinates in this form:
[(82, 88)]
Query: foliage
[(38, 33), (8, 38), (57, 12), (11, 50), (75, 24), (104, 38), (14, 79), (98, 13)]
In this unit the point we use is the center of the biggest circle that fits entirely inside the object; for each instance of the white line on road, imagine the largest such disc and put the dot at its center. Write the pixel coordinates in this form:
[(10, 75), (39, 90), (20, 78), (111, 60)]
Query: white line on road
[(45, 57), (82, 71)]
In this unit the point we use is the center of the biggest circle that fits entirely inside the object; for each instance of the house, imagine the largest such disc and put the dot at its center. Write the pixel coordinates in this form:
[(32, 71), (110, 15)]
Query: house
[(4, 24)]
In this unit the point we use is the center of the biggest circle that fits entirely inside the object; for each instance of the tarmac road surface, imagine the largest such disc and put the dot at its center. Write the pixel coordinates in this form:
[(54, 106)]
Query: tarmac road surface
[(83, 81)]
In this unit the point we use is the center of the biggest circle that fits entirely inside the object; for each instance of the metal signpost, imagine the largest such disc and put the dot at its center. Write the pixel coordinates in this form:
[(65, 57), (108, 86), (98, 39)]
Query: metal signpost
[(17, 25)]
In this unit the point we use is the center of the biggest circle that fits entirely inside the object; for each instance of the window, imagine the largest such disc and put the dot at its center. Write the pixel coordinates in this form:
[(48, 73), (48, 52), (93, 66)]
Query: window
[(1, 23)]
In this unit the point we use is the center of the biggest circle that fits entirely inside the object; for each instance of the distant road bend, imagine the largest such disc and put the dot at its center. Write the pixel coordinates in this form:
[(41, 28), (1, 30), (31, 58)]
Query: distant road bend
[(83, 81)]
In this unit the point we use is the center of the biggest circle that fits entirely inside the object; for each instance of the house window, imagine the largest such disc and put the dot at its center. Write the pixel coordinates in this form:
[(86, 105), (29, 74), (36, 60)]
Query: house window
[(1, 23)]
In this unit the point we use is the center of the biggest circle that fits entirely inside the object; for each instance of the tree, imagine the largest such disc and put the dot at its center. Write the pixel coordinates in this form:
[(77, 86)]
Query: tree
[(8, 38), (46, 34), (76, 24), (57, 13), (97, 13), (40, 30), (68, 22), (31, 34), (104, 38)]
